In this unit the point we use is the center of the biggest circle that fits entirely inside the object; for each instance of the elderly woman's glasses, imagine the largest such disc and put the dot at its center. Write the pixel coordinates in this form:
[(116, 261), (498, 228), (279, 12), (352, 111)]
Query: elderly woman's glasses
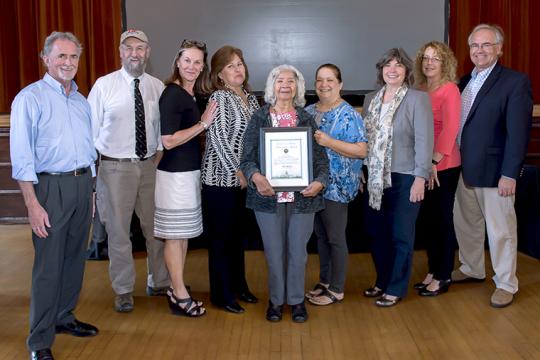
[(193, 43)]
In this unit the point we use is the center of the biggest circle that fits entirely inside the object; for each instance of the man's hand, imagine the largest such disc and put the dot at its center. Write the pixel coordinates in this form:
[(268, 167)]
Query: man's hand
[(263, 186), (37, 216), (312, 189), (507, 186), (39, 219)]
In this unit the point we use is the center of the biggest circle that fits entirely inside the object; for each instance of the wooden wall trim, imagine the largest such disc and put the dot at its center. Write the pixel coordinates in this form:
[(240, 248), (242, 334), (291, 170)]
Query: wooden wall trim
[(4, 120)]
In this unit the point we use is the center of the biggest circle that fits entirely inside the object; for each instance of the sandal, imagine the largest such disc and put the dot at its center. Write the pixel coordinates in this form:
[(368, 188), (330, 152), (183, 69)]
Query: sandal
[(191, 308), (170, 292), (317, 290), (327, 297)]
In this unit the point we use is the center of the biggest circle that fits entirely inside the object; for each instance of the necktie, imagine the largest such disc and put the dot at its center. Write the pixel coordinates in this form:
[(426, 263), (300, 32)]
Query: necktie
[(140, 128), (466, 104)]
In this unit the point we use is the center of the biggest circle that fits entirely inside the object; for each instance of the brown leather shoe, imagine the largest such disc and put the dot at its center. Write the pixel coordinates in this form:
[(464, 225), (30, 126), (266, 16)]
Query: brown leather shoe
[(501, 298)]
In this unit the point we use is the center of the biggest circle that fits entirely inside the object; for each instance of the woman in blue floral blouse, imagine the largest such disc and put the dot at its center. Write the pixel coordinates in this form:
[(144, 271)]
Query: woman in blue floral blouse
[(341, 133)]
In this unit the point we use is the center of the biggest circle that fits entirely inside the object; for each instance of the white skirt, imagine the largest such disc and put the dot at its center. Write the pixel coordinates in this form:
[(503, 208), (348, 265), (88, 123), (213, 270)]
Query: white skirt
[(178, 205)]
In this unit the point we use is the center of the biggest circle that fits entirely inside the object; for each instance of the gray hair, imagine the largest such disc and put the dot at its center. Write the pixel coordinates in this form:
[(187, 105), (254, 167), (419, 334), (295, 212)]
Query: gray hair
[(57, 35), (496, 29), (299, 97)]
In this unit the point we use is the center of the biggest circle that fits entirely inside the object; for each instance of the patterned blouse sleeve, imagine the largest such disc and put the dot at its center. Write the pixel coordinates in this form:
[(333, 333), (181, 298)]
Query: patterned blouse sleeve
[(220, 129)]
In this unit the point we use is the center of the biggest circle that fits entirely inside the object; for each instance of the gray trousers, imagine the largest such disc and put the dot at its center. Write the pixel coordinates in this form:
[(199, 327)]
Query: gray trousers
[(285, 236), (330, 226), (124, 187), (60, 257)]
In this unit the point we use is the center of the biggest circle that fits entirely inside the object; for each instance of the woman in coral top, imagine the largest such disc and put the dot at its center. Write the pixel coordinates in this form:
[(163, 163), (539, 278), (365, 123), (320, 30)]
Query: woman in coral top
[(435, 72)]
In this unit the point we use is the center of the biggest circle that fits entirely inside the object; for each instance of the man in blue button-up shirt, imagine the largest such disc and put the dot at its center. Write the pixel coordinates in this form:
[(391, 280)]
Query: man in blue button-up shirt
[(53, 156)]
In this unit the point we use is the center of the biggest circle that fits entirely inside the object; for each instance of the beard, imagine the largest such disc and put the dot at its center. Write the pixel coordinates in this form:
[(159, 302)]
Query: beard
[(134, 69)]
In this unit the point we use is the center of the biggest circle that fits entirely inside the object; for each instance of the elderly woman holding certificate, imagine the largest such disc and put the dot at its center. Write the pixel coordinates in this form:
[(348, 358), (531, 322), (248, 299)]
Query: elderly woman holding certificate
[(279, 159)]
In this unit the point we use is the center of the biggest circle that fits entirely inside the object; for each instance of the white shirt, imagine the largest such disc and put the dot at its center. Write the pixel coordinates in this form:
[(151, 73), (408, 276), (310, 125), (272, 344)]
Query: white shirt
[(113, 113)]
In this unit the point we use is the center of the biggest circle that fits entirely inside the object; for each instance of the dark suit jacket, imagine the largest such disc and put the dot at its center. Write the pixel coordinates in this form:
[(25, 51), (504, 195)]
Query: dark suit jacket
[(496, 132)]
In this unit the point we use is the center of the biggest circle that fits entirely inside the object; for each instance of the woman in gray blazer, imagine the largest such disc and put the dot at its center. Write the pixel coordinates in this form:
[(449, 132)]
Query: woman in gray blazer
[(399, 126)]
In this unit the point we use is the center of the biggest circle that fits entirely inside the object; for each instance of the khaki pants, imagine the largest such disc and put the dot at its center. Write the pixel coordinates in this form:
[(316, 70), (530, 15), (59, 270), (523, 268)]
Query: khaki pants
[(124, 187), (475, 210)]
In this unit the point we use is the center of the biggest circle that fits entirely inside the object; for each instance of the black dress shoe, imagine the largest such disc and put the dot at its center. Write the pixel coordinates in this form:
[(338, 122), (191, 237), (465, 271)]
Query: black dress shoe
[(43, 354), (248, 297), (373, 292), (77, 328), (443, 287), (234, 307), (420, 286), (299, 313), (274, 312)]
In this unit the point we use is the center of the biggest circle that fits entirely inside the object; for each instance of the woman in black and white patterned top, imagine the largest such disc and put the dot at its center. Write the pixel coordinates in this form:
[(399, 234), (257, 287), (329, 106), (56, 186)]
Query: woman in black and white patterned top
[(223, 187)]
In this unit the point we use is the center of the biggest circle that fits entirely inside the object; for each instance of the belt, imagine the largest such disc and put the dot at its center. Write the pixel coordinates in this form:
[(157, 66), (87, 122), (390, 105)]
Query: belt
[(76, 172), (108, 158)]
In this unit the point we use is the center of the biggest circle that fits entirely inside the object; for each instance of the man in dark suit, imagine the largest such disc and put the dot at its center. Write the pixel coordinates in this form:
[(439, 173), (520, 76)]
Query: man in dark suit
[(495, 124)]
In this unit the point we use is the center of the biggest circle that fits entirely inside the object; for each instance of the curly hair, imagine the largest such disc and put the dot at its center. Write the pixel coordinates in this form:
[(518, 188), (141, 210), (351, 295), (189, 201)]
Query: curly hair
[(448, 63)]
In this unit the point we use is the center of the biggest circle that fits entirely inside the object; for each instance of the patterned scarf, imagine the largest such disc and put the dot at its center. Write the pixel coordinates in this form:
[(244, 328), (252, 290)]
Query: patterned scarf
[(379, 131)]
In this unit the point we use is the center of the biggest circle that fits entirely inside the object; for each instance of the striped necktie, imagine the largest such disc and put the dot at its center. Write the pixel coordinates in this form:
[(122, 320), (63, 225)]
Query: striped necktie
[(466, 104), (140, 128)]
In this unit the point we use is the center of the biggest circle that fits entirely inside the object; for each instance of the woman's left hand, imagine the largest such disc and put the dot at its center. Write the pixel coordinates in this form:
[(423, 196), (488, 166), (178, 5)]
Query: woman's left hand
[(417, 189), (322, 138), (433, 178), (312, 189), (241, 178)]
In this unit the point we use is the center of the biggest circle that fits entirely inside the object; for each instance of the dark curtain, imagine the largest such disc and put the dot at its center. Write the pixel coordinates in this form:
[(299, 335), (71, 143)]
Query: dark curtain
[(517, 18), (24, 25)]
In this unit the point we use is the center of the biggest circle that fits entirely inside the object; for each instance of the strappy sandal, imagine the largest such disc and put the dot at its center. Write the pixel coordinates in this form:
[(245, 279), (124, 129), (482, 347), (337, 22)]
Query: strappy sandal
[(325, 298), (317, 290), (170, 292), (191, 308)]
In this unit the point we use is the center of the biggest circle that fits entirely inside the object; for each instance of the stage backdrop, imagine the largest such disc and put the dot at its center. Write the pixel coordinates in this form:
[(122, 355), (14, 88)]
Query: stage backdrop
[(305, 33)]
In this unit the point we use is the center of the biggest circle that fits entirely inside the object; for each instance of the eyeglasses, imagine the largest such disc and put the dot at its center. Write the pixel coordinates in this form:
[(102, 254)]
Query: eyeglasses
[(483, 46), (434, 59), (193, 43)]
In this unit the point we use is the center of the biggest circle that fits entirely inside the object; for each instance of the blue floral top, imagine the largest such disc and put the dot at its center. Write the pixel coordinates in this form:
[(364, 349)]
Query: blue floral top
[(345, 124)]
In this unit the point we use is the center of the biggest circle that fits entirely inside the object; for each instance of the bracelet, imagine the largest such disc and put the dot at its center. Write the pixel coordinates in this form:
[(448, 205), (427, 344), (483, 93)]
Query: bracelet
[(435, 162), (204, 125)]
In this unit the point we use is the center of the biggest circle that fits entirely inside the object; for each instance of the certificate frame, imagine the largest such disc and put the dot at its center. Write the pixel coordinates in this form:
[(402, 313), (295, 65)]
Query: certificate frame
[(286, 157)]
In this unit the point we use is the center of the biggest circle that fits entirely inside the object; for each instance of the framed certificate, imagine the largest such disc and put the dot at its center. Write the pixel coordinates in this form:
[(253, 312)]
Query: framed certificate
[(286, 157)]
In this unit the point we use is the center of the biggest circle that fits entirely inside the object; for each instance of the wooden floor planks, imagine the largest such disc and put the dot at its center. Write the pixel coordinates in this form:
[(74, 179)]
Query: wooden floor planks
[(457, 325)]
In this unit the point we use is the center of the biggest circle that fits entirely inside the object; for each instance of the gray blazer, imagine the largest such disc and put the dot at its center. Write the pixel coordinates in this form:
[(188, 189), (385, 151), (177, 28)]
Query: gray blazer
[(412, 139)]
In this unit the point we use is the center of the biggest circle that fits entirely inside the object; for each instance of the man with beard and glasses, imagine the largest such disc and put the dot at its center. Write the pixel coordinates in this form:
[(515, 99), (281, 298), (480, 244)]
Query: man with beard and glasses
[(125, 121), (55, 176)]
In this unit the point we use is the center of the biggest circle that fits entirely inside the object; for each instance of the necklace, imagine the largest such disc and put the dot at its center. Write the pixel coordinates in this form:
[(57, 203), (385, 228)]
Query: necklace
[(320, 106)]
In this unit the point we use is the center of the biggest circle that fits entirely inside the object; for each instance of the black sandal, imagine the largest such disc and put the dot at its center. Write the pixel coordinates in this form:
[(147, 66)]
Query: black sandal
[(191, 309), (170, 292)]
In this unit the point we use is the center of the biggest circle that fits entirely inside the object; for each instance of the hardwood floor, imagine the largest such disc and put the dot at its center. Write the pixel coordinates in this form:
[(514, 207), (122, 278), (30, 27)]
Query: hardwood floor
[(456, 325)]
